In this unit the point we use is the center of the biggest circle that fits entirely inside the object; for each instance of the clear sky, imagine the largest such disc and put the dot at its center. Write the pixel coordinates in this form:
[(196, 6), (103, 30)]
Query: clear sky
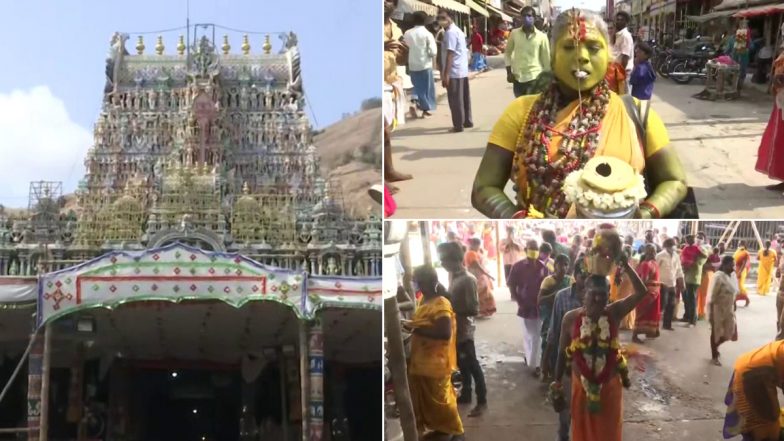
[(52, 75)]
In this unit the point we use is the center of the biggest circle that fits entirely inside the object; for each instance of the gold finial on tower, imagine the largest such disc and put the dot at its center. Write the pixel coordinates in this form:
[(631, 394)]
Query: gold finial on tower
[(226, 46), (245, 44), (267, 45), (140, 45), (181, 45), (159, 47)]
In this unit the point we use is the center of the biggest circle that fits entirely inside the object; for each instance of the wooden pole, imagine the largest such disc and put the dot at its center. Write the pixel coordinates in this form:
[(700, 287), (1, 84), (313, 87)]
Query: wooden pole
[(499, 254), (43, 434), (405, 260), (304, 374), (756, 233), (396, 362), (424, 235), (732, 234)]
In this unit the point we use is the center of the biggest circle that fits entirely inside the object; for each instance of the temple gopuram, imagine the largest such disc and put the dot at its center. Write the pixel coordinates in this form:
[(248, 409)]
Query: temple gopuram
[(205, 266)]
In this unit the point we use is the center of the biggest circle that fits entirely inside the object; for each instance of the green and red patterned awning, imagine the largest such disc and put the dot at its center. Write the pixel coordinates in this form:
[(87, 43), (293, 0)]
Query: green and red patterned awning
[(178, 272)]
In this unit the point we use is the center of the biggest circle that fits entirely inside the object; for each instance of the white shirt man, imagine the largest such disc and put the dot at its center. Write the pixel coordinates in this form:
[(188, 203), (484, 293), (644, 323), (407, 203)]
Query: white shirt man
[(624, 45), (421, 48), (670, 269)]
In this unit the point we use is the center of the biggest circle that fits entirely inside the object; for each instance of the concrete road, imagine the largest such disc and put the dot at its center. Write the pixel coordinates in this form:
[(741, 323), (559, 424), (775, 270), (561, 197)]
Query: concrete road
[(716, 141), (676, 392)]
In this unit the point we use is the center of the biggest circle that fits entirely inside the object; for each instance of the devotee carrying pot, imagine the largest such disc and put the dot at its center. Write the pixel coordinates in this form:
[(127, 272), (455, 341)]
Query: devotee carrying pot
[(541, 140)]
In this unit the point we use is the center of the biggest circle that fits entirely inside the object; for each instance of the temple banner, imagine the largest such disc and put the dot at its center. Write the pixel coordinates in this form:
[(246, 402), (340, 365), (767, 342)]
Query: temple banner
[(17, 289), (173, 273), (342, 292)]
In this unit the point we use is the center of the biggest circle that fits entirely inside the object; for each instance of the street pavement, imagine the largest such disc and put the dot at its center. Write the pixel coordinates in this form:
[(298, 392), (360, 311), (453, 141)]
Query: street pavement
[(716, 141), (676, 393)]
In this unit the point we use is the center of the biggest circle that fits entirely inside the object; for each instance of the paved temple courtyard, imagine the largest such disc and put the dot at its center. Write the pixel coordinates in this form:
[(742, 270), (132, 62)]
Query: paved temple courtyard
[(676, 392), (716, 141)]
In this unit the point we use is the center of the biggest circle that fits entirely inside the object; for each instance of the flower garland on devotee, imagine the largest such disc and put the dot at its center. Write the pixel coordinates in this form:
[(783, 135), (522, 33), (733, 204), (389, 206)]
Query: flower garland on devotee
[(579, 142), (605, 353)]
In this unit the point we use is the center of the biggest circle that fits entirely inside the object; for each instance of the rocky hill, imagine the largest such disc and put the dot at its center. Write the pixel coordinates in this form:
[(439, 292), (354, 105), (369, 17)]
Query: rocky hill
[(351, 154)]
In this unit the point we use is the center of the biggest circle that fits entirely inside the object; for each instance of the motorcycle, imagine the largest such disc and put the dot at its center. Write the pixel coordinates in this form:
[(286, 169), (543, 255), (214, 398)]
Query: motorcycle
[(686, 69)]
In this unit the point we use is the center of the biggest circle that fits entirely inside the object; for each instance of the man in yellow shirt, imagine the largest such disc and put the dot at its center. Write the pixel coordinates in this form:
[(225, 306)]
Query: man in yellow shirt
[(527, 55)]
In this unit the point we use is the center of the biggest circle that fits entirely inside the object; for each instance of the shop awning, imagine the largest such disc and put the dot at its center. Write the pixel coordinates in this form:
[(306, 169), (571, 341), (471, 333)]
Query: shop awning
[(708, 17), (736, 4), (411, 6), (500, 13), (477, 8), (452, 5), (759, 10)]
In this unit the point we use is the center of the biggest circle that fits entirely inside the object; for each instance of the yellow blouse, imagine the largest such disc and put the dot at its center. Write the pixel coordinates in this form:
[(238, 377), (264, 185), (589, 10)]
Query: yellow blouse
[(617, 138), (430, 357)]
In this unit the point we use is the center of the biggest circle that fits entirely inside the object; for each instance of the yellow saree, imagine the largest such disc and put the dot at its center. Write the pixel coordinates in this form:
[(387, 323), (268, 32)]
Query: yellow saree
[(765, 271), (617, 137), (430, 371)]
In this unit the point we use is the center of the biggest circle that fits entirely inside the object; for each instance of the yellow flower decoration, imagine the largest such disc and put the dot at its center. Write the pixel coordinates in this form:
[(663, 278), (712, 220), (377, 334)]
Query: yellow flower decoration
[(533, 213)]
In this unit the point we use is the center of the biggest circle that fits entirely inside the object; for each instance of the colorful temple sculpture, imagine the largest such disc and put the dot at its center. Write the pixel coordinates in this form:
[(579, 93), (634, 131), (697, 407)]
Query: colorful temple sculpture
[(206, 268)]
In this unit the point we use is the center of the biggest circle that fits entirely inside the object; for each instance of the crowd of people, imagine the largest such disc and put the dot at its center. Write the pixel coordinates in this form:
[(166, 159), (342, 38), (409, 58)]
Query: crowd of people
[(560, 295)]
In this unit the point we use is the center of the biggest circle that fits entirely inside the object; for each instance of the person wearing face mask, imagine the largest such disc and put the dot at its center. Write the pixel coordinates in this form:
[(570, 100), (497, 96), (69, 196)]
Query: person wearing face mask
[(710, 267), (525, 280), (527, 55), (545, 251), (565, 300), (454, 72), (693, 258), (465, 300), (671, 277), (540, 139)]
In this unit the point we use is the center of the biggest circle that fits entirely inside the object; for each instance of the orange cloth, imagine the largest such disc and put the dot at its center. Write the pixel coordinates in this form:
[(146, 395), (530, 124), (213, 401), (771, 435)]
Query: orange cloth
[(484, 286), (620, 292), (702, 292), (471, 257), (605, 425), (616, 78), (772, 354), (742, 266)]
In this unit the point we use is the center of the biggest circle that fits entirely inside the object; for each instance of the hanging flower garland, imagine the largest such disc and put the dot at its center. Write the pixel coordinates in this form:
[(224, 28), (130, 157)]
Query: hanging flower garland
[(545, 178), (605, 354)]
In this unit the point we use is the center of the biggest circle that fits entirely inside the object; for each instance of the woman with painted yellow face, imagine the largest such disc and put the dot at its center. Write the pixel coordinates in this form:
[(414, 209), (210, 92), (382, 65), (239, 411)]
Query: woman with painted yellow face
[(540, 139)]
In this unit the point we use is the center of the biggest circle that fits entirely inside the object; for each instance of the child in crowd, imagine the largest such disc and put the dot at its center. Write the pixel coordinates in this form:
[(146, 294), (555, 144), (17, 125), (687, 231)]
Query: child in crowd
[(643, 75)]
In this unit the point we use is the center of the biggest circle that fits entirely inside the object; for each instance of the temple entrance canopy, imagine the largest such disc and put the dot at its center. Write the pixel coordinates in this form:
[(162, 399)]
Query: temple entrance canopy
[(235, 332), (173, 273)]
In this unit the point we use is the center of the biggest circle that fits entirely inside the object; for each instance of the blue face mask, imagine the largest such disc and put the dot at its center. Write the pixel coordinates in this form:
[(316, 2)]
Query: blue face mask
[(528, 21)]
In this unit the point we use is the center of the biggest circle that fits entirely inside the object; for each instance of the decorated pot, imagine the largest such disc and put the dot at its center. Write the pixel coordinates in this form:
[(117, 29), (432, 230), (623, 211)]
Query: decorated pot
[(584, 212), (605, 251)]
